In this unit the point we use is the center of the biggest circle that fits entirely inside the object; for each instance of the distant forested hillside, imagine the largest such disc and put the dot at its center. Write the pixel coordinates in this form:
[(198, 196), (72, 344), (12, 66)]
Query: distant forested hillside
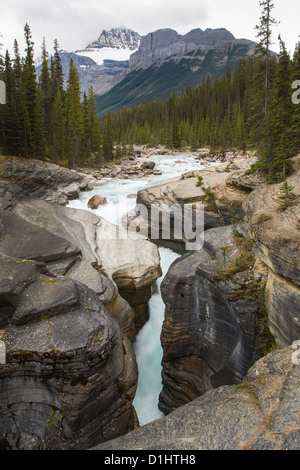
[(171, 76)]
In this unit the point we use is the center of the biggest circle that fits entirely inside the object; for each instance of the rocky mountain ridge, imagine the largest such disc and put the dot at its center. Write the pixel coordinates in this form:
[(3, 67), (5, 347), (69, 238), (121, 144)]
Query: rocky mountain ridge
[(108, 60), (119, 38), (167, 62), (166, 44)]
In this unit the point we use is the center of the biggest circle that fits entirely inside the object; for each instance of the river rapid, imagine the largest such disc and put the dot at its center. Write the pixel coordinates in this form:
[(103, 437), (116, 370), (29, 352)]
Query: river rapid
[(147, 344)]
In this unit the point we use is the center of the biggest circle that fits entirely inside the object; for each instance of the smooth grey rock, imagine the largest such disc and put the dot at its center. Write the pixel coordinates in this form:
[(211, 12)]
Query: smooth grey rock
[(46, 298), (259, 414), (22, 239), (15, 275)]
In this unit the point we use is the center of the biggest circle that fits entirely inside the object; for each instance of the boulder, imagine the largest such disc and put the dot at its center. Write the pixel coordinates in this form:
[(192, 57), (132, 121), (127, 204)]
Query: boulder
[(148, 165), (15, 276), (28, 240), (107, 291), (262, 413), (44, 299), (133, 263), (96, 201)]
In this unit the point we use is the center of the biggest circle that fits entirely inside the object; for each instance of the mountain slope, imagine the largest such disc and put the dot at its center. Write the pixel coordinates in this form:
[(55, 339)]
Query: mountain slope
[(167, 62)]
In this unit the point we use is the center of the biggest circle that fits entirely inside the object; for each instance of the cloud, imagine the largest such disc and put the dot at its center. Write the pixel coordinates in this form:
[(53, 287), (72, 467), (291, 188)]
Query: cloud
[(75, 23)]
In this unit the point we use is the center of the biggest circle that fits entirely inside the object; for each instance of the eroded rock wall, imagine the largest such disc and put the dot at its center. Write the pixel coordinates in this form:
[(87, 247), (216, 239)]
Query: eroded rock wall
[(262, 413)]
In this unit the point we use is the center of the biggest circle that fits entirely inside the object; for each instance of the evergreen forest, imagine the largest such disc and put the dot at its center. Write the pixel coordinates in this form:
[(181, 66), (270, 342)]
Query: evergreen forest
[(249, 107)]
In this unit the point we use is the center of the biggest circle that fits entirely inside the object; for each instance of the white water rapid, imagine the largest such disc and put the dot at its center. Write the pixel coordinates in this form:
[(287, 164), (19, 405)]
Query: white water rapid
[(147, 344)]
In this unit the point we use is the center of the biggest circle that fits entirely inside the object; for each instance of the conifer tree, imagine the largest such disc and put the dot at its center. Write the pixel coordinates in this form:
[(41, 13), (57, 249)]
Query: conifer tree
[(91, 134), (58, 144), (175, 133), (263, 48), (35, 137), (1, 56), (108, 144), (1, 107), (277, 146), (294, 133), (74, 118), (57, 71), (45, 90), (20, 129), (11, 124)]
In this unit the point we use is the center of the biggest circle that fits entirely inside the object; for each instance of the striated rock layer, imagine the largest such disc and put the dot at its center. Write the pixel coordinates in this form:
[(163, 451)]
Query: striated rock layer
[(262, 413), (165, 44), (277, 239)]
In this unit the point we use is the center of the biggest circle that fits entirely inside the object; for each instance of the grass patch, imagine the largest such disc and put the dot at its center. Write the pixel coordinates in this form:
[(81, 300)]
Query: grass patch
[(241, 263), (249, 388), (98, 337), (50, 281), (261, 218)]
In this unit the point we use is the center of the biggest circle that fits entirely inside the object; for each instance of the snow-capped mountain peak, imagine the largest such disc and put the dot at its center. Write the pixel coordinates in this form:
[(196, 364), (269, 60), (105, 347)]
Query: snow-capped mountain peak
[(119, 38), (116, 44)]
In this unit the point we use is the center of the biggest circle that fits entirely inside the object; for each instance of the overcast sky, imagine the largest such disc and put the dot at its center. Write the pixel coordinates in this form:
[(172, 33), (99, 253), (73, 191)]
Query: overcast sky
[(75, 23)]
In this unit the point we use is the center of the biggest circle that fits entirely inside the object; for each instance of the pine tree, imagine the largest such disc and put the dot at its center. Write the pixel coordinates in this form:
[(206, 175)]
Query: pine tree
[(1, 107), (294, 133), (57, 75), (108, 144), (58, 144), (35, 135), (45, 90), (11, 123), (91, 133), (175, 133), (263, 48), (1, 57), (20, 134), (74, 118), (277, 147)]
